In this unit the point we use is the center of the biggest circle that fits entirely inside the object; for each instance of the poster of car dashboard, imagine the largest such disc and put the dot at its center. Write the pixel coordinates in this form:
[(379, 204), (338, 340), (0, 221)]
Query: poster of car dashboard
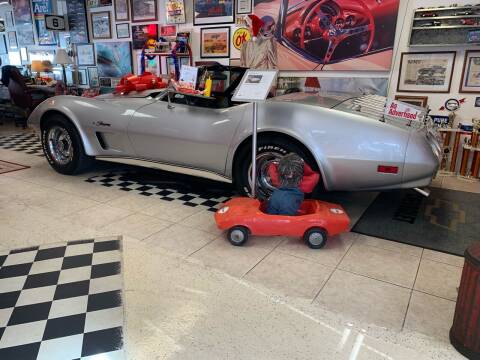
[(255, 85)]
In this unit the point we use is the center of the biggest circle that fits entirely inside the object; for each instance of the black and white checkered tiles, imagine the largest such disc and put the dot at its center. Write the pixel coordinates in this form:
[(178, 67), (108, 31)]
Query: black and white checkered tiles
[(129, 181), (62, 301), (28, 143)]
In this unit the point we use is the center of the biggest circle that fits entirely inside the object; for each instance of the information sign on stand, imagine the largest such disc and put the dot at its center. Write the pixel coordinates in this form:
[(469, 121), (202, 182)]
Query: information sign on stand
[(254, 88)]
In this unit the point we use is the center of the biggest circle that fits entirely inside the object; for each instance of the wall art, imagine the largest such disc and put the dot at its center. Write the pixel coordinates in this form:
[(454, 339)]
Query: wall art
[(213, 12)]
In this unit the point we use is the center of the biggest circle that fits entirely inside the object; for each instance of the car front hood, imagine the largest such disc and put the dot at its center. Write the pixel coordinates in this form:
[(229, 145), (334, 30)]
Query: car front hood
[(323, 99)]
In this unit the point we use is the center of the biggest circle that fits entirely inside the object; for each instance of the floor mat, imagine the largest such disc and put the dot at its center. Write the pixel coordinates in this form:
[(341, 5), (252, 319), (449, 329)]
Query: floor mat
[(62, 301), (7, 166), (446, 221)]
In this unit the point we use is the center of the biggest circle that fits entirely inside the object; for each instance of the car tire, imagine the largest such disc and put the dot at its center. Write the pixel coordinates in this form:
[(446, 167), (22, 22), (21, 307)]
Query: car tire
[(316, 238), (63, 146), (268, 149), (238, 235)]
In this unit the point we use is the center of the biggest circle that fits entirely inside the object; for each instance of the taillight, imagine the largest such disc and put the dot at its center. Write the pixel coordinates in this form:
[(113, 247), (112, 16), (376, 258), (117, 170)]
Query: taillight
[(387, 169)]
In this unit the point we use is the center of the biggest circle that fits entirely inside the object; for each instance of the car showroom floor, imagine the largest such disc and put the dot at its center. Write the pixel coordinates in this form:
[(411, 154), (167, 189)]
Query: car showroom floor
[(183, 292)]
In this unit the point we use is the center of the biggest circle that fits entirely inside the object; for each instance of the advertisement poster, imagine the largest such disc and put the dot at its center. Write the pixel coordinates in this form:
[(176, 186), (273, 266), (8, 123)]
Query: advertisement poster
[(40, 9), (141, 33), (175, 11), (77, 21), (114, 59), (329, 35), (215, 42), (23, 22)]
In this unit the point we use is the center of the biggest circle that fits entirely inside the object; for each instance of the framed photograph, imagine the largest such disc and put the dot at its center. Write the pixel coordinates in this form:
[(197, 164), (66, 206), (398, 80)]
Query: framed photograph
[(98, 3), (25, 35), (141, 33), (123, 31), (3, 45), (82, 77), (168, 30), (243, 7), (426, 72), (77, 22), (175, 11), (413, 100), (213, 12), (101, 28), (215, 42), (9, 19), (105, 82), (121, 10), (2, 25), (144, 10), (85, 55), (114, 59), (12, 40), (93, 77), (471, 72), (477, 102)]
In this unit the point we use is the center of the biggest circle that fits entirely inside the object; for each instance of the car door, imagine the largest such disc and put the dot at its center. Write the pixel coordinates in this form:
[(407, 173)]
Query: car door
[(183, 134)]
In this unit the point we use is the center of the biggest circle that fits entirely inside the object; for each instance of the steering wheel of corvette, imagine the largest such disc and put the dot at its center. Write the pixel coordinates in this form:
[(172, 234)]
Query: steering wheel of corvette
[(327, 20)]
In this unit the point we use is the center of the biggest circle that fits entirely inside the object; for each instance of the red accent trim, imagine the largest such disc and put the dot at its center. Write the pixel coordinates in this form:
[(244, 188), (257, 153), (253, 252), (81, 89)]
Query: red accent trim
[(387, 169)]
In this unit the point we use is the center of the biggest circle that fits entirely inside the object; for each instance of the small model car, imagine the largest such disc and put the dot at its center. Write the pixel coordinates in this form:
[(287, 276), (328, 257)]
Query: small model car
[(468, 21), (429, 14), (430, 24), (466, 12), (316, 221)]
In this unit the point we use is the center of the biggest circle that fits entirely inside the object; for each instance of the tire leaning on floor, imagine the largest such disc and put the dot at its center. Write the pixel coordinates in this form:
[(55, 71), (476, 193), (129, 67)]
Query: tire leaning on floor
[(63, 146)]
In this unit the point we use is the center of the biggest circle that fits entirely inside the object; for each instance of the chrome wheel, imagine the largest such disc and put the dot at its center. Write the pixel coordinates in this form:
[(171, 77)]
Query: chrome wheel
[(60, 145), (264, 182)]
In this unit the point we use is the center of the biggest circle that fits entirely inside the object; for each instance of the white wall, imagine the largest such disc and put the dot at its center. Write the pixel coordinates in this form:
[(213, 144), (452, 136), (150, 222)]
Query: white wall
[(435, 101)]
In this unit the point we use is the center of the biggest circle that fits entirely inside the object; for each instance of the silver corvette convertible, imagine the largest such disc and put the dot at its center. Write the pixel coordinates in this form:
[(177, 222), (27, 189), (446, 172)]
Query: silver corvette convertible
[(344, 137)]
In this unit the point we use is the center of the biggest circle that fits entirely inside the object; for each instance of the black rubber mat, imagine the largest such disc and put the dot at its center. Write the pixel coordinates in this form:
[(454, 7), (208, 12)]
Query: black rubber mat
[(446, 221)]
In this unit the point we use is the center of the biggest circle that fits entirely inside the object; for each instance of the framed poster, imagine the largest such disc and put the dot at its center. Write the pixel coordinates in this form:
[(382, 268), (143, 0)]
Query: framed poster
[(9, 19), (167, 66), (213, 12), (244, 7), (93, 77), (141, 33), (426, 72), (40, 9), (413, 100), (114, 59), (77, 21), (24, 55), (175, 11), (12, 40), (25, 34), (101, 28), (22, 12), (144, 10), (105, 82), (2, 25), (98, 3), (82, 77), (3, 45), (121, 10), (215, 42), (168, 30), (471, 72), (123, 30), (85, 55)]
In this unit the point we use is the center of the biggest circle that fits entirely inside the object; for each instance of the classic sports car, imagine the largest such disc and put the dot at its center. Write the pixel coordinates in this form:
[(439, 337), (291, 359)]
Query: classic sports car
[(211, 137)]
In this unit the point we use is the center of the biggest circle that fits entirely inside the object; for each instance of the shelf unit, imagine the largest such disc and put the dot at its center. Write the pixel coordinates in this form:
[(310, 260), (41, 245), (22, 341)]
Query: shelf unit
[(444, 26)]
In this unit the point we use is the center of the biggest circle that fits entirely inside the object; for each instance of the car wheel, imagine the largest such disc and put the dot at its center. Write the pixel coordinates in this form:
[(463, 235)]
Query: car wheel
[(63, 147), (316, 238), (238, 235), (269, 150)]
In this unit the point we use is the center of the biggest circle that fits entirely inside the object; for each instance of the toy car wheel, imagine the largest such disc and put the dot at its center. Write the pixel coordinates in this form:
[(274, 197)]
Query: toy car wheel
[(238, 235), (316, 238)]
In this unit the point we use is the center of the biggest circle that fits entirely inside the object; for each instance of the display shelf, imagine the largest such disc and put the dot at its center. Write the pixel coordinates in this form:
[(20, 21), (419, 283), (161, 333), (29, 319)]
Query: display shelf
[(446, 17), (474, 7), (445, 27)]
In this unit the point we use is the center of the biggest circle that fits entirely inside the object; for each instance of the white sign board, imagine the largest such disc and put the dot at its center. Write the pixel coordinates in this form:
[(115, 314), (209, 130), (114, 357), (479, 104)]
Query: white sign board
[(401, 110), (55, 23), (255, 85)]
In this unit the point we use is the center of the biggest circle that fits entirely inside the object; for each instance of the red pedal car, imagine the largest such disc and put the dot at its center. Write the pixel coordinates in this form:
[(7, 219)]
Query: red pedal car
[(316, 221)]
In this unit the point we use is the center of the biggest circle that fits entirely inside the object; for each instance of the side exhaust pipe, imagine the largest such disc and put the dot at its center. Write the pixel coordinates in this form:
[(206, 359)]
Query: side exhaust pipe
[(425, 192)]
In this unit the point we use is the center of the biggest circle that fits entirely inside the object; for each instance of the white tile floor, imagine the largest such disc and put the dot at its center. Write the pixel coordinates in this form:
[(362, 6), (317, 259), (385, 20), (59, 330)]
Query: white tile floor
[(190, 294)]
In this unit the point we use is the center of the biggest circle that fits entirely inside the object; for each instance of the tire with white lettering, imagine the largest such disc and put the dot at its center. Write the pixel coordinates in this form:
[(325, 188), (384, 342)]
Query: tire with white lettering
[(269, 149)]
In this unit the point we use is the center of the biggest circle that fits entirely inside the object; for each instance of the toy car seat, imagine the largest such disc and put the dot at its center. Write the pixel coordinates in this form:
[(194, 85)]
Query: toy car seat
[(308, 183)]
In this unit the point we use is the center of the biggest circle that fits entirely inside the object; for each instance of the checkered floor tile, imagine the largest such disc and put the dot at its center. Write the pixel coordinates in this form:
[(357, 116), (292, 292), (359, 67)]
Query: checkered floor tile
[(173, 192), (28, 143), (62, 301)]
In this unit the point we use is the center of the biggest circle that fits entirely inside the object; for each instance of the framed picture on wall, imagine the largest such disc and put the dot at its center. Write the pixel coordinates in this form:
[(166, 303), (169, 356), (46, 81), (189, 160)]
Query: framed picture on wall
[(413, 100), (471, 72), (243, 7), (141, 33), (175, 11), (2, 25), (144, 10), (105, 82), (123, 30), (213, 12), (12, 40), (85, 54), (9, 19), (121, 10), (215, 42), (82, 77), (24, 55), (3, 45), (93, 77), (114, 59), (101, 28), (426, 72)]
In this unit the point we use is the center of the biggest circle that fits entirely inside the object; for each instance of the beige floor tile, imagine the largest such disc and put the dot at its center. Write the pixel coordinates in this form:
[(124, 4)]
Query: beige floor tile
[(443, 258), (203, 220), (12, 238), (179, 239), (98, 216), (330, 255), (430, 315), (400, 248), (134, 202), (381, 264), (234, 260), (438, 279), (170, 211), (139, 226), (65, 204), (290, 275), (454, 183), (77, 186), (366, 300)]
